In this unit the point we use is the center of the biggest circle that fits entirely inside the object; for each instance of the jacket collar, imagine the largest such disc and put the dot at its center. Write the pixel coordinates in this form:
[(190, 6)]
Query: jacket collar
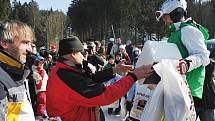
[(69, 63), (176, 26), (9, 60), (14, 68)]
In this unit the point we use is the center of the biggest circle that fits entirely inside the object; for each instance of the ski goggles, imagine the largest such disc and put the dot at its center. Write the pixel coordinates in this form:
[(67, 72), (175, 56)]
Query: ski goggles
[(158, 15)]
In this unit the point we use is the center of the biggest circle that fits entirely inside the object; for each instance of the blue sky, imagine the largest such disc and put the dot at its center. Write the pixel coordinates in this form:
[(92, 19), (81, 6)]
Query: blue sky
[(61, 5)]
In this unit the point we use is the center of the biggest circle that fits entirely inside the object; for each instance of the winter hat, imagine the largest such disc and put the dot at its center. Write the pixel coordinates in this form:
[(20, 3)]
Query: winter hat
[(111, 39), (53, 47), (71, 44), (92, 44), (38, 59), (170, 5), (136, 52), (122, 47), (128, 42)]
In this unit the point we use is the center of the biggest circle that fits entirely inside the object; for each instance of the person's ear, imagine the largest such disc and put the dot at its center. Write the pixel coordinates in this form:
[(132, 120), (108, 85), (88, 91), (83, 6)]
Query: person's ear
[(72, 55), (4, 44)]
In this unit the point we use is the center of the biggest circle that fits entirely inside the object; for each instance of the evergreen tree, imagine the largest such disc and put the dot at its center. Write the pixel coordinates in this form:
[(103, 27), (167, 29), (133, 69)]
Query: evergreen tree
[(55, 24), (24, 14), (5, 9), (34, 12), (48, 25), (16, 7), (94, 18)]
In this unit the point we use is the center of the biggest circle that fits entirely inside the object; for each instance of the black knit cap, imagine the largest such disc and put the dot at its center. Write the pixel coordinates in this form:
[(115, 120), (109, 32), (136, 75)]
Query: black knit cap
[(69, 45)]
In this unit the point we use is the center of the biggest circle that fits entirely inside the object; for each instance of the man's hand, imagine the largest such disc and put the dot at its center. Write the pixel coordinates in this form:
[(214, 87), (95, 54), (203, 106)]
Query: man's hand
[(121, 67), (143, 71)]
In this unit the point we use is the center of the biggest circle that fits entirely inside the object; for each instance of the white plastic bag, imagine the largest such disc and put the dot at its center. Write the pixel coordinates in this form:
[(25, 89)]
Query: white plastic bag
[(172, 97), (178, 101)]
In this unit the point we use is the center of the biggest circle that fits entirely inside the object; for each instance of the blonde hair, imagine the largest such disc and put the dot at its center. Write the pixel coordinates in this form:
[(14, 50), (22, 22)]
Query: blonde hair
[(11, 30)]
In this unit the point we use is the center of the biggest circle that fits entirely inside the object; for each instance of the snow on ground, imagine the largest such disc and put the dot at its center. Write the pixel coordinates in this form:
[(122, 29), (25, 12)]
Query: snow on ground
[(111, 117), (114, 117)]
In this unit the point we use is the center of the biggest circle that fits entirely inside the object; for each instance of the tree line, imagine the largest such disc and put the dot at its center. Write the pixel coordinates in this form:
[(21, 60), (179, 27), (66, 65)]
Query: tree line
[(102, 19), (131, 19), (48, 25)]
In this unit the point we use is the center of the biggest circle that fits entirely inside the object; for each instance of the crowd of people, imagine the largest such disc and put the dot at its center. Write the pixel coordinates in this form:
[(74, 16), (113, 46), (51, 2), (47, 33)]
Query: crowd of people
[(71, 81)]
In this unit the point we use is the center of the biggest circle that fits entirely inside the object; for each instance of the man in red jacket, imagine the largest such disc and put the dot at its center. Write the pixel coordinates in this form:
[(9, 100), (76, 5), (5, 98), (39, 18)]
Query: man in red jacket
[(75, 94)]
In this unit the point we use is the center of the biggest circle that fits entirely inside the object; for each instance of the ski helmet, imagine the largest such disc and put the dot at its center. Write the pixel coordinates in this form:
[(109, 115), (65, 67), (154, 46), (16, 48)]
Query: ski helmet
[(170, 5)]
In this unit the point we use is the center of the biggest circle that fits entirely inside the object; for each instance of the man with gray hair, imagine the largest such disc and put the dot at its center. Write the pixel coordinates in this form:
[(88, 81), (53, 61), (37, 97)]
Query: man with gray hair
[(16, 39)]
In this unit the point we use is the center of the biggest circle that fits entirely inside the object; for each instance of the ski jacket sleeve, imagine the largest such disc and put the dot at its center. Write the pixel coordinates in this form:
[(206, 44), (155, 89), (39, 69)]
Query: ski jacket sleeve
[(193, 40)]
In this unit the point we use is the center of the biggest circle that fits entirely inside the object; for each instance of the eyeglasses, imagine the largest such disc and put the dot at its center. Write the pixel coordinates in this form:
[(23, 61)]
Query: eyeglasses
[(85, 52)]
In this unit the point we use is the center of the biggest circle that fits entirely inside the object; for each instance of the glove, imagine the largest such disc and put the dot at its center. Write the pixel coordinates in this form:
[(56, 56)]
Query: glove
[(129, 105), (184, 66)]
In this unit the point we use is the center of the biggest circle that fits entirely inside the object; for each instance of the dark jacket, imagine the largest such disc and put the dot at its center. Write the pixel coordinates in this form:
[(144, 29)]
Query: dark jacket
[(74, 94), (109, 47), (129, 50), (96, 61)]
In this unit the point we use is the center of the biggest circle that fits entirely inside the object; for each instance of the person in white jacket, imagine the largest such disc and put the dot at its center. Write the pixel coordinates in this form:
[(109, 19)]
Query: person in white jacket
[(190, 39)]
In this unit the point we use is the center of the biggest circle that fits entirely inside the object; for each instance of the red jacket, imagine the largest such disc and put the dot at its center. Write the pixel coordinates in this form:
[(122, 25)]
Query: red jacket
[(73, 96)]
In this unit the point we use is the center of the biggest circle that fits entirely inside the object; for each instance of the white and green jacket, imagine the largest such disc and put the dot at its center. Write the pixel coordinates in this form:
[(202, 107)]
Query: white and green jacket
[(191, 38)]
